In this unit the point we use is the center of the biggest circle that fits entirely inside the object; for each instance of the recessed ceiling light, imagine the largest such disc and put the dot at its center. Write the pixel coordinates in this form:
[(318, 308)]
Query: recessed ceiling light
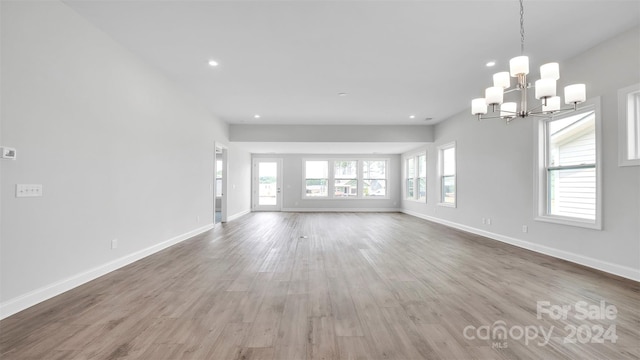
[(412, 116), (213, 63), (491, 63), (256, 116), (343, 94)]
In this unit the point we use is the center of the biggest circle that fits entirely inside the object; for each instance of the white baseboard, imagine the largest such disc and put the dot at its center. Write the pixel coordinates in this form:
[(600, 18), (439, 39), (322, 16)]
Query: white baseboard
[(238, 215), (623, 271), (34, 297), (388, 210)]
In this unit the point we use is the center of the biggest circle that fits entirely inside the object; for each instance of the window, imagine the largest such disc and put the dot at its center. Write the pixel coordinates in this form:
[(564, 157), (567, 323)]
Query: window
[(569, 181), (447, 160), (345, 174), (629, 125), (317, 178), (411, 178), (416, 177), (422, 177), (345, 178), (374, 178)]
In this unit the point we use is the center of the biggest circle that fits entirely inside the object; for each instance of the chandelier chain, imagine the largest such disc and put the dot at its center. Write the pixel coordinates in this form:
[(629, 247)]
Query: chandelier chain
[(521, 27)]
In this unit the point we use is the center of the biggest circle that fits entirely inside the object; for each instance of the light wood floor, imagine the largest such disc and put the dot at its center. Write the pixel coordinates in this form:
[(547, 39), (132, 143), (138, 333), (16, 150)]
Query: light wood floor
[(357, 286)]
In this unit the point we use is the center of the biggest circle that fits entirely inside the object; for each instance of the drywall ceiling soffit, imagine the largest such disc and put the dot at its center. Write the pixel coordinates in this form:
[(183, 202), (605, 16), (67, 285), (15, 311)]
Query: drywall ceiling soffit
[(343, 148), (331, 133), (288, 60)]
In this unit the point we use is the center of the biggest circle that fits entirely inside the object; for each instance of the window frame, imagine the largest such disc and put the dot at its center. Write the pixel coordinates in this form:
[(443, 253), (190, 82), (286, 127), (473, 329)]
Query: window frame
[(362, 178), (331, 179), (415, 157), (623, 124), (305, 178), (541, 178), (424, 164), (441, 174)]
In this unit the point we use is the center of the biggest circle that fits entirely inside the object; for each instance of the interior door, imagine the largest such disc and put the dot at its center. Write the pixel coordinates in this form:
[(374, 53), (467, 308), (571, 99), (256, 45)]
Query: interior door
[(267, 184)]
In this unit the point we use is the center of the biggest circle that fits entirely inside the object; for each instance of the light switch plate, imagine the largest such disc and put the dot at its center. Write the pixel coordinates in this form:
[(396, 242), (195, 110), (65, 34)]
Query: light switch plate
[(28, 190)]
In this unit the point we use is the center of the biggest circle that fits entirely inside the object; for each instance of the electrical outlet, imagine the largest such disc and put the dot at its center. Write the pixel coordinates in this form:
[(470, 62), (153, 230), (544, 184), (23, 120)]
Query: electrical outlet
[(525, 228), (484, 221), (488, 221), (197, 219), (114, 244), (28, 190), (7, 153)]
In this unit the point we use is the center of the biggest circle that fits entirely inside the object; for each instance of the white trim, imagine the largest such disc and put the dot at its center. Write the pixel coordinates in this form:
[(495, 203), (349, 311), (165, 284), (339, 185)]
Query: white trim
[(46, 292), (615, 269), (238, 215), (344, 210), (623, 121)]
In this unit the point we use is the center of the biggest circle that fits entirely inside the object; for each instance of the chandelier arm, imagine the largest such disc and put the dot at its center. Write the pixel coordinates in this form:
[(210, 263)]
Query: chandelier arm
[(557, 112), (534, 110), (480, 117), (542, 115)]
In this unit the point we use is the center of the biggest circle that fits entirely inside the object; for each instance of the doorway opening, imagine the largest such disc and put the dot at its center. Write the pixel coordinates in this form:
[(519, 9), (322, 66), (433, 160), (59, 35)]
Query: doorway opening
[(267, 180), (220, 185)]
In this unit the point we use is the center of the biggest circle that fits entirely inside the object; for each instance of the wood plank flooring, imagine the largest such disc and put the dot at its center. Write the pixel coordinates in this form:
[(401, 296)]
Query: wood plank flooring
[(330, 286)]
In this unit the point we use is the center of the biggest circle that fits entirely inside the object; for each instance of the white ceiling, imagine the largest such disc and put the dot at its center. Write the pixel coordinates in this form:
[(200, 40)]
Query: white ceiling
[(288, 60)]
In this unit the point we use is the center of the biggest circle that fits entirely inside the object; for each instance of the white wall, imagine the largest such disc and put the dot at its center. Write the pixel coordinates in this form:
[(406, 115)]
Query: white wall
[(238, 182), (496, 172), (121, 153), (293, 177)]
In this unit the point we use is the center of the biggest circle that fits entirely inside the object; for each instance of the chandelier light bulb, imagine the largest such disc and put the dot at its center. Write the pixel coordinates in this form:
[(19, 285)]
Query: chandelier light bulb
[(519, 65), (553, 104), (494, 95), (550, 71), (502, 79), (545, 88), (508, 110), (575, 94), (479, 106)]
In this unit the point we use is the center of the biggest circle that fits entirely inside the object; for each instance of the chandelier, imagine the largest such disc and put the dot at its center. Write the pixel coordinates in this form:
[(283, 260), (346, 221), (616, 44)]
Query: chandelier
[(545, 89)]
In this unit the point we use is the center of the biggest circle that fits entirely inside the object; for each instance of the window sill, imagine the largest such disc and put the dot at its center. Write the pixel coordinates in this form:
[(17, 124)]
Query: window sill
[(627, 162), (421, 201), (575, 222)]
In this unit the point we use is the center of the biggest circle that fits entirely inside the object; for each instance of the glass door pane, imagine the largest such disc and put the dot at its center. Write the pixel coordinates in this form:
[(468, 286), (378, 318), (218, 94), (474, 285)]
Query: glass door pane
[(268, 183)]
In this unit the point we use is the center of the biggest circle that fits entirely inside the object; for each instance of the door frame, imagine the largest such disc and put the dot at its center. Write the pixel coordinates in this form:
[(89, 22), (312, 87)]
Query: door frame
[(225, 170), (255, 183)]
